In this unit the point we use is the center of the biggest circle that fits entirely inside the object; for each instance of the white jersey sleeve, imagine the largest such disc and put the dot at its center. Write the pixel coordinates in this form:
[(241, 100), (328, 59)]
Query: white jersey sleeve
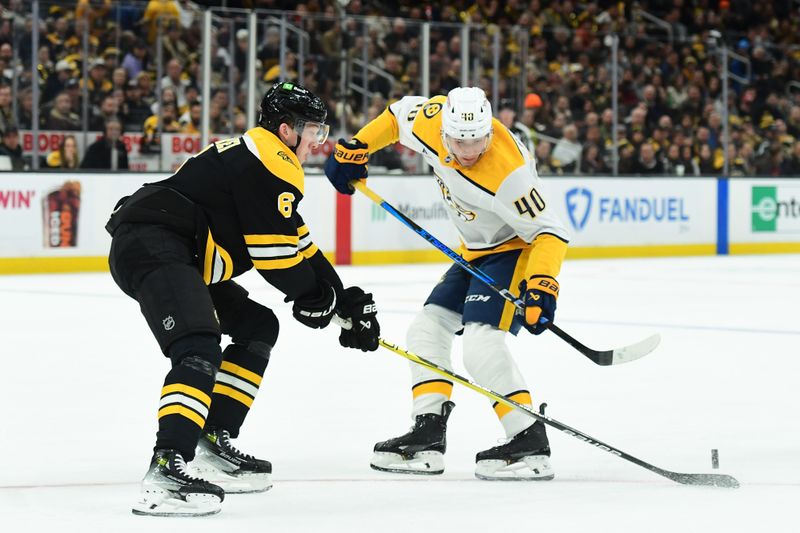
[(522, 202), (405, 111)]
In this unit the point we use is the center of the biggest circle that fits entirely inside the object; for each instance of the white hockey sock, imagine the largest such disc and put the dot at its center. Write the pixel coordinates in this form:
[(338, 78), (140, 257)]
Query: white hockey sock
[(431, 336), (488, 360)]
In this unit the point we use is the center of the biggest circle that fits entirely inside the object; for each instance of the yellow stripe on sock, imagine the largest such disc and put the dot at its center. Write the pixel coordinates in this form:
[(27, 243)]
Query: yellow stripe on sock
[(197, 394), (176, 409), (241, 372), (520, 397), (433, 387), (225, 390)]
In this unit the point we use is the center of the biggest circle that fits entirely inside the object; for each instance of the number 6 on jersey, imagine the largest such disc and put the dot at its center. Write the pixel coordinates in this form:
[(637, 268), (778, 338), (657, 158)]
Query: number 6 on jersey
[(285, 204)]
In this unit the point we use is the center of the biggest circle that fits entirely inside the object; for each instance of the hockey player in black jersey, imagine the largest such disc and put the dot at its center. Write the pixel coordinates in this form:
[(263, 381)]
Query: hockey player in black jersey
[(177, 244)]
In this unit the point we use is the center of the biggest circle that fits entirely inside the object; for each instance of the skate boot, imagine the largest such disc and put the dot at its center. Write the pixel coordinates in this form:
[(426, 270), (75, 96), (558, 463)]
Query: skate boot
[(420, 451), (526, 457), (219, 462), (167, 489)]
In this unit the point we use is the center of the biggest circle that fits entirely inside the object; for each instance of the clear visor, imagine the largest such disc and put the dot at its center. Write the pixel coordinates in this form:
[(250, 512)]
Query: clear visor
[(466, 151), (315, 132)]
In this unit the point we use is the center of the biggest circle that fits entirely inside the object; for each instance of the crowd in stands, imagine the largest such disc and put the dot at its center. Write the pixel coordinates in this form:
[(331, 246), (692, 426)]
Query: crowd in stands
[(670, 82)]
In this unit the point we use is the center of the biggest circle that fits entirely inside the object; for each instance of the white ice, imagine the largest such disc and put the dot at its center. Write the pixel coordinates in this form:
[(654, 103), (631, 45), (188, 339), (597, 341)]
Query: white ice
[(81, 379)]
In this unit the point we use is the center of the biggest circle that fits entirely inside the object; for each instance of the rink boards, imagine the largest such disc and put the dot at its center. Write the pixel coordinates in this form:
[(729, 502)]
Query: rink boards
[(53, 222)]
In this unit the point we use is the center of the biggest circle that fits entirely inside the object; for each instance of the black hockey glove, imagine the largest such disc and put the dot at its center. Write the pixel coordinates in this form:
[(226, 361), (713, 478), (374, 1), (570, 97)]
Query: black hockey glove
[(360, 309), (316, 310), (347, 162), (539, 295)]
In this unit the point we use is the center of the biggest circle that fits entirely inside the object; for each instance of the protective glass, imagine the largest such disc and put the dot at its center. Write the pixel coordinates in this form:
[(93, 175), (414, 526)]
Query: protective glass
[(312, 131)]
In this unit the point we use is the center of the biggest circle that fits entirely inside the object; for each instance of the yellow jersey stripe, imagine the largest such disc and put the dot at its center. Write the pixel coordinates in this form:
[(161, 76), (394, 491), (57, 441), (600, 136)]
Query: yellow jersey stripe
[(520, 270), (208, 260), (242, 372), (233, 393), (277, 264), (309, 250), (302, 230), (432, 387), (523, 397), (272, 239), (197, 394), (177, 409), (227, 262)]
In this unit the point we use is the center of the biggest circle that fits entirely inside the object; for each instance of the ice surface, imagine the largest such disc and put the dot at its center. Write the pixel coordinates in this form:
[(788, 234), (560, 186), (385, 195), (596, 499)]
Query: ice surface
[(82, 377)]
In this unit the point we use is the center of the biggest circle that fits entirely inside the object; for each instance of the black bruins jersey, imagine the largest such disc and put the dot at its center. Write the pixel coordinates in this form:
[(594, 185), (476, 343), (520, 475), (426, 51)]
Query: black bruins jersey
[(247, 190)]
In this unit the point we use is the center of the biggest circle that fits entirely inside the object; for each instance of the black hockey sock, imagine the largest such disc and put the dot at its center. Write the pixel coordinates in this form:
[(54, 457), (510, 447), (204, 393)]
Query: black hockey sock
[(237, 385), (182, 413)]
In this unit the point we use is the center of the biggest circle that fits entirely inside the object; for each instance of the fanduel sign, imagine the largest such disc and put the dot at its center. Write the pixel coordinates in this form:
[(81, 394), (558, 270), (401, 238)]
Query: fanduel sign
[(583, 206)]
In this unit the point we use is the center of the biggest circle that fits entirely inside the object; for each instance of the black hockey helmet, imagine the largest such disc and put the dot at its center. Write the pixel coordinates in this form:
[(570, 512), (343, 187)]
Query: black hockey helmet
[(293, 104)]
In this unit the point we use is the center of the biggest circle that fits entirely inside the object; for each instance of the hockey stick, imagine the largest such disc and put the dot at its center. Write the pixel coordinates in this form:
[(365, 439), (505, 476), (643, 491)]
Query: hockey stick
[(599, 357), (713, 480)]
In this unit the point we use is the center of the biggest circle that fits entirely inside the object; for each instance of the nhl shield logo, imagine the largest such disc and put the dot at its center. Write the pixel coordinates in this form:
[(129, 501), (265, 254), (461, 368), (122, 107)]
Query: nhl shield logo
[(579, 204), (168, 323)]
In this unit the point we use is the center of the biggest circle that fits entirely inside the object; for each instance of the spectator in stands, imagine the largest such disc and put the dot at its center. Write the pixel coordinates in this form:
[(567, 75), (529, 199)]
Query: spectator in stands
[(592, 162), (173, 44), (166, 120), (99, 84), (25, 110), (108, 152), (11, 148), (134, 111), (191, 122), (109, 108), (119, 78), (146, 89), (66, 156), (57, 81), (507, 115), (6, 110), (62, 117), (791, 165), (135, 61), (240, 51), (174, 79), (705, 160), (648, 163), (672, 161), (544, 165), (567, 152), (159, 12)]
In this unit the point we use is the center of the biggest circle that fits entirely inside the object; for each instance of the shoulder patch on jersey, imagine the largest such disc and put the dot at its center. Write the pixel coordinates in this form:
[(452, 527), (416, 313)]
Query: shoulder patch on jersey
[(501, 159), (275, 156), (427, 127), (431, 109), (283, 155)]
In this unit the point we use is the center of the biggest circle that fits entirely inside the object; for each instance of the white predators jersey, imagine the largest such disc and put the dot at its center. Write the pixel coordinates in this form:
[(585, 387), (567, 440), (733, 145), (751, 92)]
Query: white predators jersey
[(494, 203)]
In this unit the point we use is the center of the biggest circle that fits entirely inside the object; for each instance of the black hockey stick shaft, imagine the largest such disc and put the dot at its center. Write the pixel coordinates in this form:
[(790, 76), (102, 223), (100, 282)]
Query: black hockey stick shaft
[(603, 358), (714, 480)]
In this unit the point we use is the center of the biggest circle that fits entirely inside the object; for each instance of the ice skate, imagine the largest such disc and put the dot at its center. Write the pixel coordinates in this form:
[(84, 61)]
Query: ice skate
[(420, 451), (219, 462), (167, 489), (526, 457)]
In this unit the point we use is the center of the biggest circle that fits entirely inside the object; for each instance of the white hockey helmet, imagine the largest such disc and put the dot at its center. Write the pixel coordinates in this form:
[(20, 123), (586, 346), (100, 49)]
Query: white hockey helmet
[(466, 120)]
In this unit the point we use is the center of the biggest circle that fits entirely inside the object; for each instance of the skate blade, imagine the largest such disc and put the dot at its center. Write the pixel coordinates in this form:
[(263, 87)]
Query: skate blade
[(530, 468), (231, 484), (194, 505), (422, 463)]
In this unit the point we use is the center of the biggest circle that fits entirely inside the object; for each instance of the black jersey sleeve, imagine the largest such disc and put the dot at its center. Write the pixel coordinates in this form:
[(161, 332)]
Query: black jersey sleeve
[(322, 267), (266, 207)]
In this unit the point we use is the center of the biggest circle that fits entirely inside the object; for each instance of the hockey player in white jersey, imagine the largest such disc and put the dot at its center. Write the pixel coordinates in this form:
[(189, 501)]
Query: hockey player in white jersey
[(496, 201)]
